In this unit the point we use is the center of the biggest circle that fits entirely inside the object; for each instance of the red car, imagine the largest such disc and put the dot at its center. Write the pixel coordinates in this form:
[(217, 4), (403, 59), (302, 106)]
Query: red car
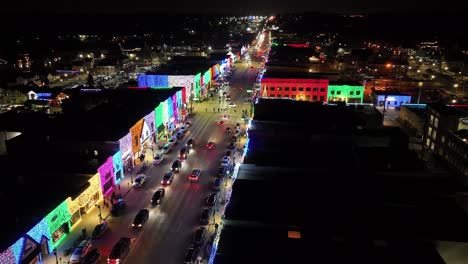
[(210, 145)]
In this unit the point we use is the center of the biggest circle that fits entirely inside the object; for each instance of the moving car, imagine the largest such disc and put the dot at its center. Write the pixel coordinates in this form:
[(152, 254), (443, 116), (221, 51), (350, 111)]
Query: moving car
[(118, 207), (211, 199), (139, 181), (210, 145), (158, 158), (183, 153), (158, 196), (93, 257), (99, 230), (190, 143), (141, 218), (191, 254), (176, 165), (120, 250), (167, 178), (205, 216), (195, 175), (80, 251), (199, 236)]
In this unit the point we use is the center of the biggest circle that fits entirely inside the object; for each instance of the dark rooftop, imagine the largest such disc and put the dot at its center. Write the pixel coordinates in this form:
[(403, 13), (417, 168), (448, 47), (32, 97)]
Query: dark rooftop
[(183, 69), (56, 179), (296, 75), (351, 83), (389, 92), (454, 110)]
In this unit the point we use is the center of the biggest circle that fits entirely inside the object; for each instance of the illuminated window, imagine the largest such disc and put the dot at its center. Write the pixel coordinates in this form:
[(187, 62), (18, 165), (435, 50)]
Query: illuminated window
[(436, 122), (307, 98), (442, 139), (96, 153), (314, 98), (279, 89), (294, 234)]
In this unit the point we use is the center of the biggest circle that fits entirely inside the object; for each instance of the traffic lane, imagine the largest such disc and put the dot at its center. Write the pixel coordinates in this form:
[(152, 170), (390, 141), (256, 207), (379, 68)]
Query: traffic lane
[(179, 213)]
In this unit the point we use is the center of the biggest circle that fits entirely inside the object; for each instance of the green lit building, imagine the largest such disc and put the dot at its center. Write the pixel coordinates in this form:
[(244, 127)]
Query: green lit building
[(349, 92)]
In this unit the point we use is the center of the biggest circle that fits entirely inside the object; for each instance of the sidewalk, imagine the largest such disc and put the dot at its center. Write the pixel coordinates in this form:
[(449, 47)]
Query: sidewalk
[(87, 222)]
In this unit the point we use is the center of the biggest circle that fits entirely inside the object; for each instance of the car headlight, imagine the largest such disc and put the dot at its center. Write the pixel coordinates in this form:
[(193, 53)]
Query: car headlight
[(139, 225), (159, 201)]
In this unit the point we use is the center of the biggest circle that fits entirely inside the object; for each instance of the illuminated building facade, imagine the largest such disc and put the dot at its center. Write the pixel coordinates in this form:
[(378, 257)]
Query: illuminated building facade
[(312, 90), (345, 92)]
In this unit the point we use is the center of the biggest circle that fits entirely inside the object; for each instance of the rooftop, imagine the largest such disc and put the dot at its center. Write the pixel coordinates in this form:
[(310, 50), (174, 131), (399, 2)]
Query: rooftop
[(296, 74), (183, 68), (389, 92), (58, 179), (451, 110)]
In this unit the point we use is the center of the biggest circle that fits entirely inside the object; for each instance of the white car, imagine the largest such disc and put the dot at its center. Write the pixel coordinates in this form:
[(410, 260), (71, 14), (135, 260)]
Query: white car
[(225, 161), (158, 158), (232, 105), (139, 181), (80, 251)]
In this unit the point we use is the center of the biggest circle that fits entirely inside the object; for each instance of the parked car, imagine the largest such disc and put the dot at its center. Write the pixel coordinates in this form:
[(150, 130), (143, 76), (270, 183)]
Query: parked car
[(93, 257), (183, 129), (176, 165), (231, 145), (191, 254), (141, 218), (179, 135), (118, 207), (80, 251), (167, 178), (199, 236), (212, 199), (221, 171), (158, 158), (172, 141), (195, 175), (158, 196), (139, 181), (217, 184), (99, 230), (205, 216), (225, 161), (166, 148), (120, 251), (227, 153)]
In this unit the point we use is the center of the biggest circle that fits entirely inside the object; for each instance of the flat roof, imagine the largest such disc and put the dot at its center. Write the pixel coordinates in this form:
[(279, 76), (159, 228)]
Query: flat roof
[(350, 83), (393, 92), (460, 110), (271, 244), (183, 69), (278, 74)]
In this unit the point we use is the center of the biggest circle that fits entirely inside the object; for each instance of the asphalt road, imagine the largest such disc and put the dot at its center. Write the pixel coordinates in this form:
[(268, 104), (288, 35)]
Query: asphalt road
[(167, 234)]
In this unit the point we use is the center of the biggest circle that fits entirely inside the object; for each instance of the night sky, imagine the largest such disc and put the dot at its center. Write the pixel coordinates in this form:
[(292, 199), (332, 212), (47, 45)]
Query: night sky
[(232, 6)]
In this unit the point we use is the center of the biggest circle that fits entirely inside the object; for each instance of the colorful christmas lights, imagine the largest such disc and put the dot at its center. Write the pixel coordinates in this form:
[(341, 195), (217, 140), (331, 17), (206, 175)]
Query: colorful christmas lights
[(118, 166), (104, 171)]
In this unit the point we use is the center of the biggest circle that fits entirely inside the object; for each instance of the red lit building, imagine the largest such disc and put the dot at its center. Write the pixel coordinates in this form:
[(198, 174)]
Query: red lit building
[(297, 86)]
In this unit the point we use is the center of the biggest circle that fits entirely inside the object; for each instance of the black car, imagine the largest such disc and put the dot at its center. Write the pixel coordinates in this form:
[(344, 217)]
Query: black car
[(199, 236), (140, 218), (190, 143), (231, 145), (93, 257), (183, 153), (228, 153), (205, 216), (191, 254), (158, 196), (118, 207), (176, 165), (211, 199), (99, 230), (167, 178), (221, 171), (120, 250), (217, 184)]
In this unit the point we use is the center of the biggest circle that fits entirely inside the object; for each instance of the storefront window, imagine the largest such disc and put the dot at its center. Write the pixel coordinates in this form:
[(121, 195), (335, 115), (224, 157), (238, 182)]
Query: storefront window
[(75, 217), (62, 230)]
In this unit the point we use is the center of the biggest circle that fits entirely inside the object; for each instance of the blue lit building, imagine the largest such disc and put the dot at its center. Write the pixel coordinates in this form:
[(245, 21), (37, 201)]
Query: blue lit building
[(393, 98)]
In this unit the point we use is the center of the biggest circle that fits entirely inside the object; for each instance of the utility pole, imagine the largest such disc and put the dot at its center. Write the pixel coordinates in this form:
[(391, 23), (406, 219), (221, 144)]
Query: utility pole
[(419, 94), (385, 104)]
